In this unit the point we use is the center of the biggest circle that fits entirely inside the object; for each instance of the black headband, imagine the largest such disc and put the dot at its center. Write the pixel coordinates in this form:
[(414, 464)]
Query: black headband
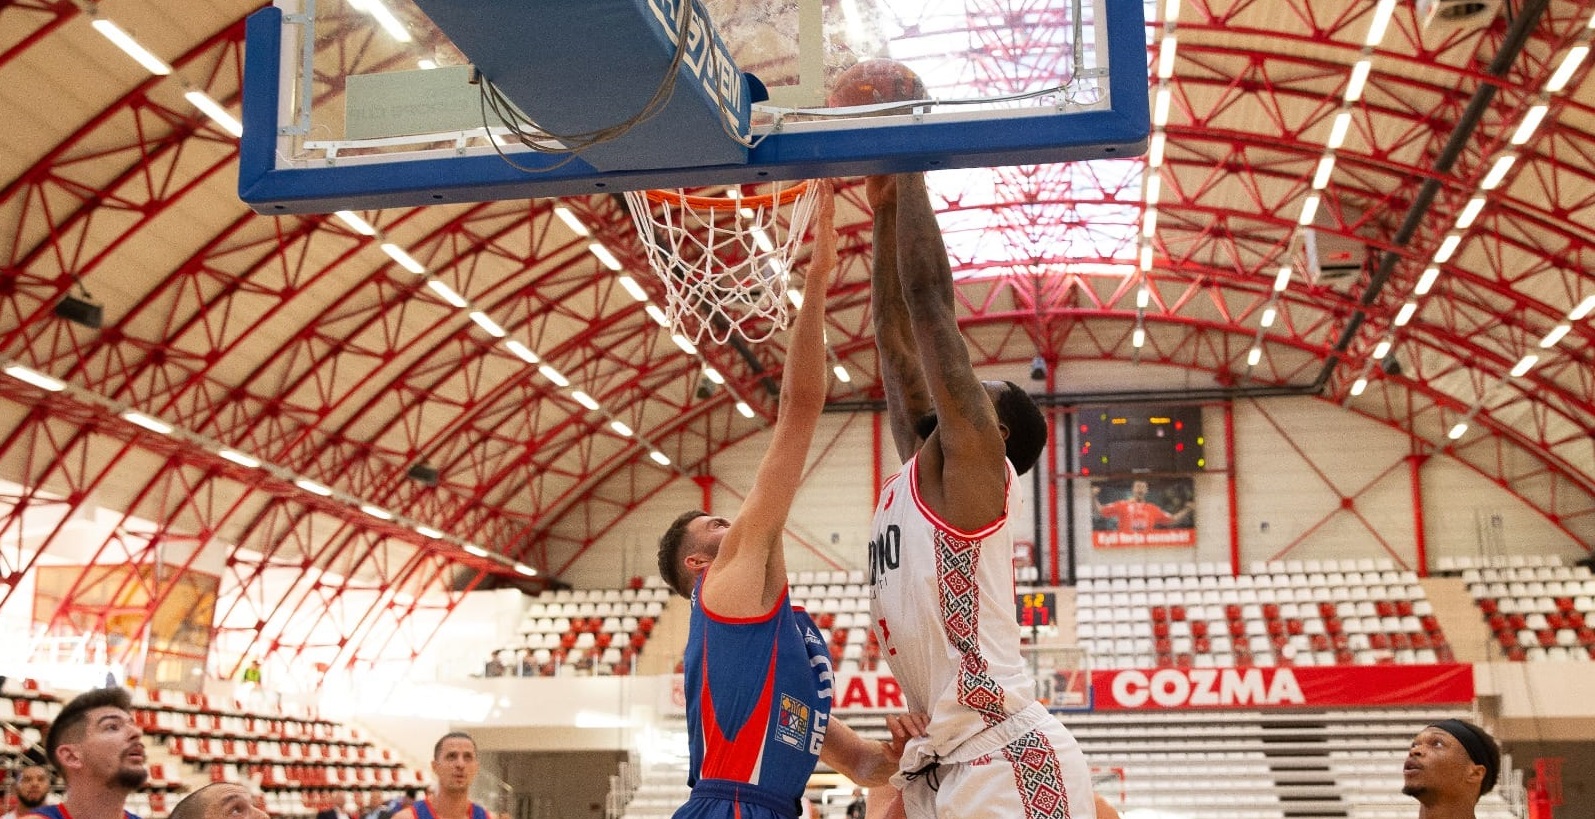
[(1472, 741)]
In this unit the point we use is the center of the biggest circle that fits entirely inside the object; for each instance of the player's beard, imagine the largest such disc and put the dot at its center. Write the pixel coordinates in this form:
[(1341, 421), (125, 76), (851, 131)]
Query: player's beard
[(28, 804), (1413, 790), (132, 778)]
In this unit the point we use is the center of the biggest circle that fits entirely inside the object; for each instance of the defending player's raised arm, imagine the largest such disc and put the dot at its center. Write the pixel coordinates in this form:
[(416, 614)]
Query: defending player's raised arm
[(971, 452), (750, 571), (906, 398)]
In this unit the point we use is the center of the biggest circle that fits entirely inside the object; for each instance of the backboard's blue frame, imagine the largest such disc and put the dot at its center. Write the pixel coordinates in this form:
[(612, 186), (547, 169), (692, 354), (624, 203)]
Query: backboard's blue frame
[(800, 154)]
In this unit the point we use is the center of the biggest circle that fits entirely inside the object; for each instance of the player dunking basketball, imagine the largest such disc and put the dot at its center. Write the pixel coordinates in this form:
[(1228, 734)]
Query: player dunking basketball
[(758, 674), (941, 554)]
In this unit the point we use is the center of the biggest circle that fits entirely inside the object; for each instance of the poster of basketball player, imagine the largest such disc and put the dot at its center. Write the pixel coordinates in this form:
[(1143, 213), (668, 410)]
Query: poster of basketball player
[(1143, 512)]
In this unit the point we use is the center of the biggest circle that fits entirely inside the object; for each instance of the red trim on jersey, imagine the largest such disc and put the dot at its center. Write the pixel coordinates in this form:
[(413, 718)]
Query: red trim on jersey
[(736, 758), (935, 520), (757, 618)]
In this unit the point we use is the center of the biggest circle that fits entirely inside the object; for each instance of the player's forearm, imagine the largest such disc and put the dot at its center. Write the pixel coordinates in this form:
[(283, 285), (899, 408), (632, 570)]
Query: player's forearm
[(901, 378)]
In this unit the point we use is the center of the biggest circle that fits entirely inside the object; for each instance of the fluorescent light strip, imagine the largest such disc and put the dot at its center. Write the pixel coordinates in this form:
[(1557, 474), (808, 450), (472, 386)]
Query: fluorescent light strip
[(487, 324), (1556, 334), (129, 46), (1406, 312), (446, 293), (1326, 167), (796, 298), (1160, 110), (713, 375), (620, 429), (1309, 210), (1525, 364), (1531, 121), (1358, 386), (1138, 338), (1149, 223), (1253, 356), (1146, 257), (657, 315), (1381, 21), (522, 568), (1269, 314), (842, 374), (473, 549), (37, 379), (313, 487), (404, 259), (555, 376), (427, 531), (1359, 78), (1282, 279), (152, 424), (1458, 431), (213, 109), (565, 215), (584, 399), (1143, 297), (522, 351), (660, 458), (742, 407), (355, 223), (631, 286), (1564, 72), (1154, 151), (1381, 349), (1583, 309), (1447, 248), (762, 239), (1497, 173), (376, 511), (1471, 212), (1338, 131), (425, 64), (1165, 58), (606, 258), (1154, 188), (1426, 281), (385, 18), (684, 343), (239, 458)]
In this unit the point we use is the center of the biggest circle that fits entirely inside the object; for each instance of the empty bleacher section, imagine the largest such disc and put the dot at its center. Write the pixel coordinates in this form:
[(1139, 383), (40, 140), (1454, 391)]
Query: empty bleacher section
[(1536, 608), (596, 632), (1261, 765), (1284, 613)]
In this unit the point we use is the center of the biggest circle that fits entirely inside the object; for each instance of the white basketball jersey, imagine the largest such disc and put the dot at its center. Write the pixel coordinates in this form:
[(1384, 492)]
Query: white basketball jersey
[(943, 610)]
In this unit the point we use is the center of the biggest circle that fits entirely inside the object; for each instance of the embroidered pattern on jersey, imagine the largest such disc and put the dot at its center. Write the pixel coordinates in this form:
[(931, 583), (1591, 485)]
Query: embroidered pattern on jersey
[(792, 724), (957, 560), (1038, 776)]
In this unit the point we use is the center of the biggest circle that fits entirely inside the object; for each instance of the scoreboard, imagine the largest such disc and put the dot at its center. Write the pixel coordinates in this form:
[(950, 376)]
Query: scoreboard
[(1128, 440)]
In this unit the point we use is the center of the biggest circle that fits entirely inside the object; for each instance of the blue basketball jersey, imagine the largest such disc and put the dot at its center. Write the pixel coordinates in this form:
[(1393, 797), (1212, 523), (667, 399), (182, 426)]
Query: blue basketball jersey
[(60, 812), (423, 810), (758, 703)]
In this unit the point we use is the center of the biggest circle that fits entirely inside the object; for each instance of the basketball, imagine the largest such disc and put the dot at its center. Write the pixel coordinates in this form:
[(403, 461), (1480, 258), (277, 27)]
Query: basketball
[(875, 81)]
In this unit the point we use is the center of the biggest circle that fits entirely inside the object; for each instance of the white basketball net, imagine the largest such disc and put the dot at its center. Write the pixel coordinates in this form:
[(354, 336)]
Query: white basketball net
[(725, 262)]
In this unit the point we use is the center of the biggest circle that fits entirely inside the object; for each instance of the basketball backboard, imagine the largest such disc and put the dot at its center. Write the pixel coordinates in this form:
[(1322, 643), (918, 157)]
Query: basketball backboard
[(361, 104)]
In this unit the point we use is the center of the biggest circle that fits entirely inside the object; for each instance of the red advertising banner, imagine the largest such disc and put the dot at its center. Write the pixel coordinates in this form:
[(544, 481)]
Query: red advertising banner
[(1306, 687)]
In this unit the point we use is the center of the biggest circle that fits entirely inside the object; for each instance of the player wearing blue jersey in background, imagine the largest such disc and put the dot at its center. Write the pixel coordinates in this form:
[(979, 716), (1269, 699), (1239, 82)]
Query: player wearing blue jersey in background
[(99, 750), (758, 673)]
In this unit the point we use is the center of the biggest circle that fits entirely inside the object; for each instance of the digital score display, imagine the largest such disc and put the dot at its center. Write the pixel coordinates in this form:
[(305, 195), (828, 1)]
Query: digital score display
[(1129, 440), (1037, 609)]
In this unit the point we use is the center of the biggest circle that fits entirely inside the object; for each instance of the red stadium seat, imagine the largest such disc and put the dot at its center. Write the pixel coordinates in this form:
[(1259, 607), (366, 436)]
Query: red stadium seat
[(1232, 611), (1294, 627), (1160, 614), (1488, 605), (1202, 645), (1271, 611), (1404, 608), (1276, 627), (1176, 612), (1326, 610), (1237, 628), (1198, 628), (1160, 629), (1385, 608)]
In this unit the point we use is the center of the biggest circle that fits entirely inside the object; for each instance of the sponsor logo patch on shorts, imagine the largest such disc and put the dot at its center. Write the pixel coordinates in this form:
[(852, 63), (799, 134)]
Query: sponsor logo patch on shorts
[(792, 727)]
